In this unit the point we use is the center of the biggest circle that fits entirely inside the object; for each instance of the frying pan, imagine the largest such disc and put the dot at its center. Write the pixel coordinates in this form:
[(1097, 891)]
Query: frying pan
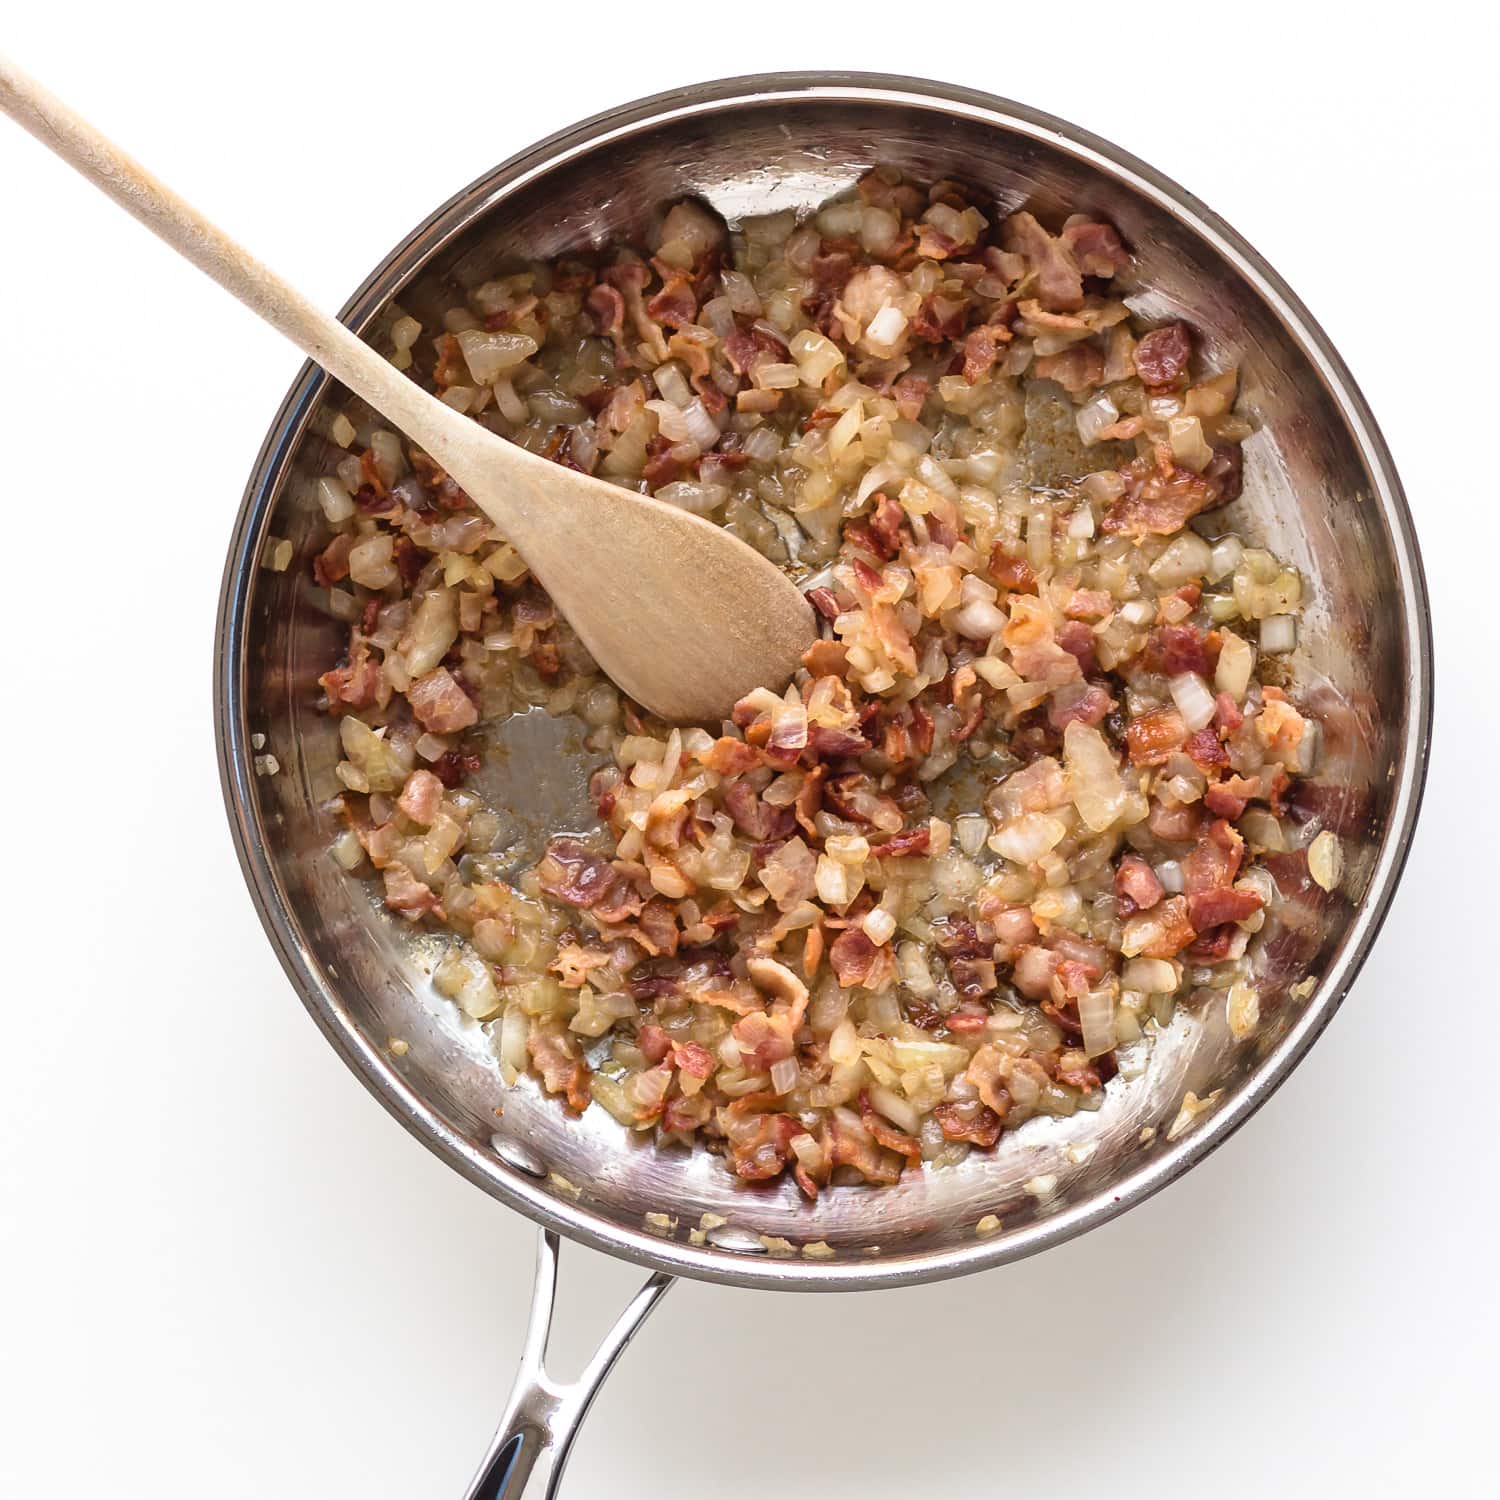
[(1320, 491)]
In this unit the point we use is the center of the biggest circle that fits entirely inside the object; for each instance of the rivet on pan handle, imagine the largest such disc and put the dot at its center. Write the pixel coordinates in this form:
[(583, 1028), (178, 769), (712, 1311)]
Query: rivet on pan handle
[(531, 1444)]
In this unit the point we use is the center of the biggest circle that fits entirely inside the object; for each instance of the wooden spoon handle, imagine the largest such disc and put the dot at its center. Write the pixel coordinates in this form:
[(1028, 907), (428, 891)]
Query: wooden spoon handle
[(443, 432)]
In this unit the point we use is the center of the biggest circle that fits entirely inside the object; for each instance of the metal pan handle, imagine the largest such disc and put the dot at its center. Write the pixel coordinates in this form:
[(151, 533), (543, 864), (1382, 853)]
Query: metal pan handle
[(531, 1444)]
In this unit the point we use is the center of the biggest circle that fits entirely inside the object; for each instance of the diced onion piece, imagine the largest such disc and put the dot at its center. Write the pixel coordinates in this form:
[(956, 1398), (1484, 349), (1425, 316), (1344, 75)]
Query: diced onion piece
[(1183, 560), (900, 1112), (1242, 1008), (347, 850), (1194, 701), (979, 620), (1236, 664), (342, 430), (1027, 838), (972, 830), (334, 499), (784, 1075), (672, 384), (1325, 860), (1278, 634), (513, 1032), (1225, 558), (1094, 781), (1094, 416), (1169, 872), (1189, 447), (489, 355), (886, 327), (1151, 976), (1096, 1014), (879, 926)]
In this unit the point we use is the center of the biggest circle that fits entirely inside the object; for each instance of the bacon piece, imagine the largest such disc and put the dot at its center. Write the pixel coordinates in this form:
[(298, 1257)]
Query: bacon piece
[(903, 845), (910, 393), (1059, 284), (968, 1120), (1095, 246), (852, 1145), (1161, 357), (825, 601), (729, 756), (1152, 738), (406, 894), (757, 820), (760, 1145), (607, 308), (1213, 945), (1173, 649), (1136, 886), (1157, 504), (1162, 932), (572, 872), (1215, 859), (1076, 369), (657, 924), (1228, 798), (1078, 641), (1088, 604), (674, 305), (1227, 715), (981, 350), (1082, 703), (1033, 969), (1013, 573), (452, 765), (857, 961), (887, 1134), (1175, 824), (554, 1054), (826, 658), (1205, 750), (355, 684), (686, 1113), (421, 797), (1208, 909), (440, 704), (331, 565)]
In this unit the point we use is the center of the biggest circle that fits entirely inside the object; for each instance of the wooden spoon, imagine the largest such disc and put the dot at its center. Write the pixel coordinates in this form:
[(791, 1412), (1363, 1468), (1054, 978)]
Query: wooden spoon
[(683, 616)]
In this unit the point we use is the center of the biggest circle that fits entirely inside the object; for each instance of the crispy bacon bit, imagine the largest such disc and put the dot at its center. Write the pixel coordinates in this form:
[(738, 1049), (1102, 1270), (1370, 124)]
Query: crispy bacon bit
[(356, 684), (1157, 504), (1136, 886), (1082, 703), (1078, 641), (856, 960), (1094, 246), (826, 658), (1228, 798), (1013, 573), (1059, 284), (903, 845), (1153, 737), (1215, 859), (910, 393), (554, 1053), (453, 765), (674, 305), (887, 1134), (1173, 649), (1162, 932), (981, 350), (1207, 909), (421, 797), (406, 894), (969, 1120), (1205, 750), (1227, 715), (572, 872), (331, 565), (760, 1145), (852, 1145), (825, 602), (1076, 369), (440, 704), (1161, 357)]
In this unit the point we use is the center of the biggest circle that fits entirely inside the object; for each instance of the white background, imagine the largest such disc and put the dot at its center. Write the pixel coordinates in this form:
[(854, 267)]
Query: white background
[(224, 1271)]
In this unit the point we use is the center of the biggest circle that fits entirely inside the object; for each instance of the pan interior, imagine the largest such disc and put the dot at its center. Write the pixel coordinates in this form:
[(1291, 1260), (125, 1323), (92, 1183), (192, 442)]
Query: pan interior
[(1311, 495)]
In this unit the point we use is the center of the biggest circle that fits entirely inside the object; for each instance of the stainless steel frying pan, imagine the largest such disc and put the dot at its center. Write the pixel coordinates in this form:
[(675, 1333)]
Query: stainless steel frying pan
[(1320, 490)]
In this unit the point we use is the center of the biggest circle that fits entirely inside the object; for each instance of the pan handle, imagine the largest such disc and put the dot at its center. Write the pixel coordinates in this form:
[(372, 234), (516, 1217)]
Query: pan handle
[(526, 1456)]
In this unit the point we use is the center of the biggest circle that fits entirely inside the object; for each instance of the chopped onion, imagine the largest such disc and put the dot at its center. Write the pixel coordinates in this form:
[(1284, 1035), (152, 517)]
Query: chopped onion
[(1225, 558), (900, 1112), (335, 500), (1189, 448), (979, 620), (1150, 976), (1242, 1008), (1236, 663), (1194, 701), (490, 354), (1325, 860), (1096, 1014), (1027, 838), (1094, 781), (1094, 416), (1278, 634), (1169, 872), (879, 926), (886, 327), (1183, 560), (784, 1075)]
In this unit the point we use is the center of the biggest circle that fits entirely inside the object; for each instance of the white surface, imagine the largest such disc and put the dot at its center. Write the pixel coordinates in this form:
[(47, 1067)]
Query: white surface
[(224, 1271)]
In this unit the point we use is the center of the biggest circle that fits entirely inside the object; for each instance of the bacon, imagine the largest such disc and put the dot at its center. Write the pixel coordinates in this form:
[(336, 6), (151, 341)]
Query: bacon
[(1228, 798), (831, 270), (1227, 715), (852, 1145), (968, 1120), (1076, 369), (452, 765), (825, 601), (857, 961), (757, 820), (1157, 504), (1033, 969), (686, 1113), (1208, 909), (886, 522), (572, 872), (1215, 859), (887, 1134), (1082, 703), (674, 305), (331, 565), (1059, 284), (357, 683), (981, 350), (1013, 573), (764, 1038), (903, 845), (1205, 750), (1136, 886), (760, 1145), (406, 894), (657, 927), (852, 796), (1161, 357), (1162, 932), (826, 658), (1174, 824), (1213, 945), (607, 308), (1174, 649), (729, 756), (654, 1042), (1078, 641), (1088, 604), (910, 394), (440, 704), (554, 1054), (421, 797), (1152, 738), (1095, 246)]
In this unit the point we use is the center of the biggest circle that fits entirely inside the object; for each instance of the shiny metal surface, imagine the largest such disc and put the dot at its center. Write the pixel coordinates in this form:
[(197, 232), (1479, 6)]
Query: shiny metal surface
[(1320, 490), (541, 1417)]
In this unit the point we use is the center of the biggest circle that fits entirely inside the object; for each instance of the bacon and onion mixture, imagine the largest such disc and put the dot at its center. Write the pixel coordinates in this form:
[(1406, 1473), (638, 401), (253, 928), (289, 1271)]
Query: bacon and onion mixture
[(1014, 804)]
